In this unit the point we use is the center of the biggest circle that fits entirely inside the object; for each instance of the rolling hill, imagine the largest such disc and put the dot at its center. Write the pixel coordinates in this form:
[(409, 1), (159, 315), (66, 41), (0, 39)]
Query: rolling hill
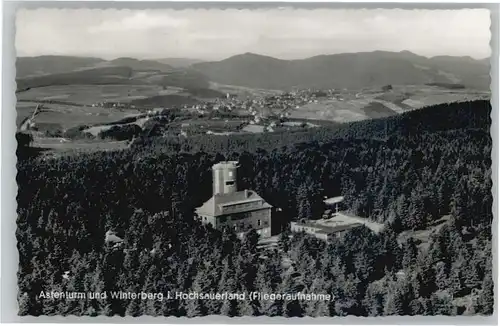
[(52, 64), (178, 62), (139, 65), (90, 76), (347, 70), (32, 72)]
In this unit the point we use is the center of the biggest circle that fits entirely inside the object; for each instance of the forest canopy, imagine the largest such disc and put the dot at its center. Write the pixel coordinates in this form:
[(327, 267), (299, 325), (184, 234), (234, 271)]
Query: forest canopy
[(406, 171)]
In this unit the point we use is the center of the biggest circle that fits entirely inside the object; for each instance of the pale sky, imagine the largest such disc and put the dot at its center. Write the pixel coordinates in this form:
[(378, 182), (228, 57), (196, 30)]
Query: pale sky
[(282, 33)]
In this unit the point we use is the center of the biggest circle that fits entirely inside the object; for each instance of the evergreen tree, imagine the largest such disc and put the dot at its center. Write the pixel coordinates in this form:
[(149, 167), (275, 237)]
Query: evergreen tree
[(284, 240), (229, 308), (442, 304), (486, 297), (247, 308), (134, 308), (304, 209), (294, 309), (391, 253), (456, 280), (410, 252), (24, 305), (374, 301), (442, 278)]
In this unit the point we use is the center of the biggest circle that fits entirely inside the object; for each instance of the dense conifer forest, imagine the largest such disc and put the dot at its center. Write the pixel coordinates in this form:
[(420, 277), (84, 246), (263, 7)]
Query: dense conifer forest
[(408, 171)]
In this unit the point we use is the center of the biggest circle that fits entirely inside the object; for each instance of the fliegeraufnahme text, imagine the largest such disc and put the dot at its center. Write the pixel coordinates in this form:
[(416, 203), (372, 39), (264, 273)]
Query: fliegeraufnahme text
[(122, 295)]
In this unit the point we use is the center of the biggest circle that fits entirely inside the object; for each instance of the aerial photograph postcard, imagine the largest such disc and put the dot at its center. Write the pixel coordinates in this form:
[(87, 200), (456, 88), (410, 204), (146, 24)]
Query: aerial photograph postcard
[(273, 162)]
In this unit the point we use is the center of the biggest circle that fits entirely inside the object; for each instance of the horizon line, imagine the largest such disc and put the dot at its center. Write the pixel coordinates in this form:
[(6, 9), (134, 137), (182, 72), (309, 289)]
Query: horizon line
[(156, 58)]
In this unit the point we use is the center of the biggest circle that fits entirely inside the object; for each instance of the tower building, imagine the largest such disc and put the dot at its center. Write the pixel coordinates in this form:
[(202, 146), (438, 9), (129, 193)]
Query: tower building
[(240, 210), (224, 177)]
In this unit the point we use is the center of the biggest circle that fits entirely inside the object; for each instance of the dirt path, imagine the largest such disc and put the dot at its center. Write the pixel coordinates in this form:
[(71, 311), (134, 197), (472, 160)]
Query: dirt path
[(25, 124)]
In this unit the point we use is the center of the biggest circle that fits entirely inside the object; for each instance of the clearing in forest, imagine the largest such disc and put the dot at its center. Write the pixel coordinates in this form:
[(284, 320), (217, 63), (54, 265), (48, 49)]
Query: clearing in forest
[(345, 218)]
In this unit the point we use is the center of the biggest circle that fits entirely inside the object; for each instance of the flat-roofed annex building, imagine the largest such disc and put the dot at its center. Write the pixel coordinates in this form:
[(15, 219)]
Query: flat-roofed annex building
[(322, 232), (230, 208)]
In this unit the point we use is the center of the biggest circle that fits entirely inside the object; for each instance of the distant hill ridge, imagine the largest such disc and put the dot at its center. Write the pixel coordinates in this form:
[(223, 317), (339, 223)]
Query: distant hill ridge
[(345, 70)]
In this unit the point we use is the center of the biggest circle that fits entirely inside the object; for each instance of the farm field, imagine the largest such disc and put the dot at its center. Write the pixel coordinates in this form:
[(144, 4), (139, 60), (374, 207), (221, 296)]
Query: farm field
[(68, 116), (334, 110), (353, 105), (423, 100), (213, 124), (90, 94), (242, 91), (96, 129)]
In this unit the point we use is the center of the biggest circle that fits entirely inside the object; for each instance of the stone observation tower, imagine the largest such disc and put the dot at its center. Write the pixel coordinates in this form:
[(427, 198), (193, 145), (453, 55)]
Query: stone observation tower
[(224, 178), (230, 208)]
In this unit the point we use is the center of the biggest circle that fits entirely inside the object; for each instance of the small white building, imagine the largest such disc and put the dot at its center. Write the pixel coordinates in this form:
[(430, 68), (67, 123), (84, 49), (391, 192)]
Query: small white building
[(111, 237)]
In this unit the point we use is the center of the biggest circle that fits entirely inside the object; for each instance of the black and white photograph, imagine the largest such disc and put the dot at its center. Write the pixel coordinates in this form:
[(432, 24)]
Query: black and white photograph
[(276, 162)]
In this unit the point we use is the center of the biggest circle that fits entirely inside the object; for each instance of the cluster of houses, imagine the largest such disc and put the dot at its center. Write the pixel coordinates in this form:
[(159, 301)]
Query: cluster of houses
[(261, 107), (277, 104), (155, 111), (115, 105), (263, 113), (263, 110)]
